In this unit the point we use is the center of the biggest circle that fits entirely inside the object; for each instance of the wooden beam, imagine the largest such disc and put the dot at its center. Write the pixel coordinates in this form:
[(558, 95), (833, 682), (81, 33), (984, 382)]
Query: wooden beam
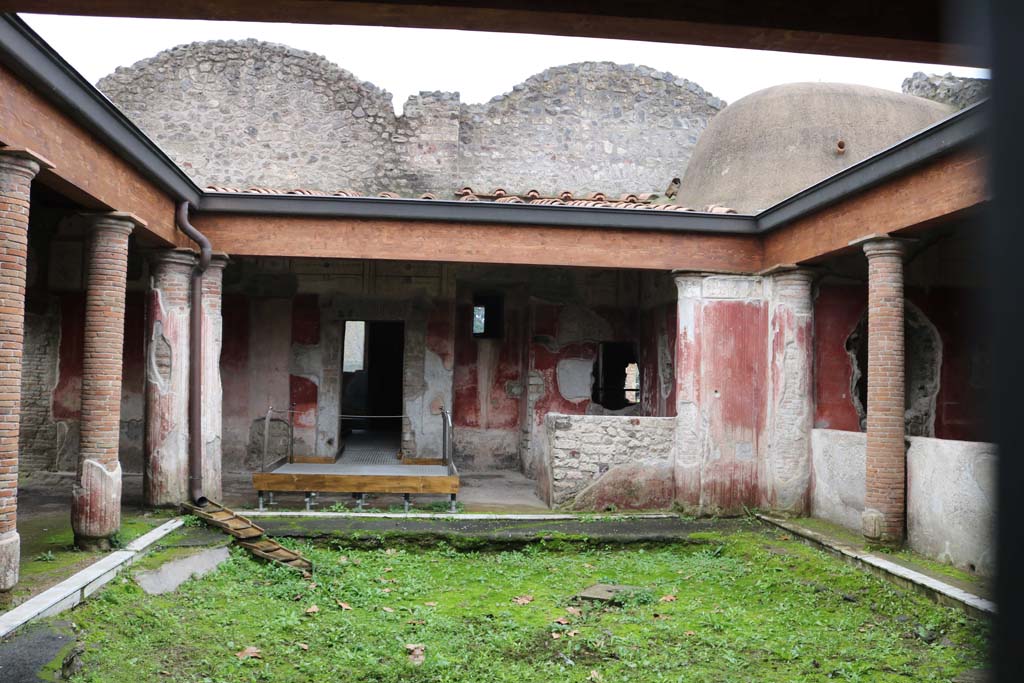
[(84, 170), (354, 483), (945, 187), (912, 31), (351, 238)]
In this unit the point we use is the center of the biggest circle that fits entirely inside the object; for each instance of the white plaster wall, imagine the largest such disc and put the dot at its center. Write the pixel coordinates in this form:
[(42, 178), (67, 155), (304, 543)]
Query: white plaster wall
[(951, 502), (838, 463)]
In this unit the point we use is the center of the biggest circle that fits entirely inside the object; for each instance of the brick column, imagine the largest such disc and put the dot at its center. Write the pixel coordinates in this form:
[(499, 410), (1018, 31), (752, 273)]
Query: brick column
[(212, 391), (167, 365), (96, 504), (885, 491), (790, 395), (17, 169)]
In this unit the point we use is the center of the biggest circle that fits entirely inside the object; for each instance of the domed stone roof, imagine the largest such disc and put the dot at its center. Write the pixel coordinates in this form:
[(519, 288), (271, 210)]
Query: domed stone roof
[(775, 142)]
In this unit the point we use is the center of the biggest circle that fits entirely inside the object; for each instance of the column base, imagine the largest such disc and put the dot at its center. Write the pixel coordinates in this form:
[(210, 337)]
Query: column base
[(10, 560), (872, 524), (88, 543)]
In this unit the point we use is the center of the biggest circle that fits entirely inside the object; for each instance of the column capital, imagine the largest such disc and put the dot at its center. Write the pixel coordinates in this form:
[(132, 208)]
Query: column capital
[(114, 221), (883, 246), (22, 161), (183, 258), (219, 260)]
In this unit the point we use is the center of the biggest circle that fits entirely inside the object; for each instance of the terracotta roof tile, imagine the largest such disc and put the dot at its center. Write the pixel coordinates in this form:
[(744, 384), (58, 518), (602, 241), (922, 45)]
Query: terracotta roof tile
[(634, 201)]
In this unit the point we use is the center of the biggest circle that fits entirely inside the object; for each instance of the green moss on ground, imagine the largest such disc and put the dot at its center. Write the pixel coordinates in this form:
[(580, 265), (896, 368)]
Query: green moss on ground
[(751, 606), (904, 556)]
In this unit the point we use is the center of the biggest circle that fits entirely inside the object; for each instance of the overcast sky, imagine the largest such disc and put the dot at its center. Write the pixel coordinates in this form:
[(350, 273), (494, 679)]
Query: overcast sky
[(477, 65)]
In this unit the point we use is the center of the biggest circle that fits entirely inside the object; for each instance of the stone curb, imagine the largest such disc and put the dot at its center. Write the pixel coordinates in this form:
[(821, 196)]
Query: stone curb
[(457, 516), (939, 591), (75, 589)]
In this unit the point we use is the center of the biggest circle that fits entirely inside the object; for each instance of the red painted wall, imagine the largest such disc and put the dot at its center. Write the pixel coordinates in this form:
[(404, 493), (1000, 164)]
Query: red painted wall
[(306, 319), (657, 322), (494, 363), (962, 401), (732, 388), (67, 396), (837, 310)]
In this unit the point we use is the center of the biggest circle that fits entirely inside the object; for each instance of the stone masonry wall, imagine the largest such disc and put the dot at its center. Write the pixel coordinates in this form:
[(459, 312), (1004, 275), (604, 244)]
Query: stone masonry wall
[(249, 113), (948, 89), (598, 460)]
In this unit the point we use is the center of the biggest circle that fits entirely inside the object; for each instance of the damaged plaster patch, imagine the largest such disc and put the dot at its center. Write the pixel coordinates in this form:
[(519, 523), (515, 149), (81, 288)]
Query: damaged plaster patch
[(922, 370), (575, 380), (577, 323)]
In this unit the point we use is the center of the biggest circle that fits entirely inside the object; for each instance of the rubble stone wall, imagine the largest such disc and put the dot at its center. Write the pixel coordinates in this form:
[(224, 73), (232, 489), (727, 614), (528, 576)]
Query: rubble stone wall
[(249, 113), (588, 451)]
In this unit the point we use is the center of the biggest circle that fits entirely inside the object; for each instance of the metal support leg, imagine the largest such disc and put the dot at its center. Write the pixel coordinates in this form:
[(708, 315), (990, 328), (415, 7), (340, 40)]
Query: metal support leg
[(360, 500), (309, 501), (452, 507), (406, 501), (259, 495), (270, 498)]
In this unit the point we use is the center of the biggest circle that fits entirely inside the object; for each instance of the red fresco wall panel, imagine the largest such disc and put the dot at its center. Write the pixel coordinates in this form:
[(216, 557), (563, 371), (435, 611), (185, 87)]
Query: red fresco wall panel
[(733, 367)]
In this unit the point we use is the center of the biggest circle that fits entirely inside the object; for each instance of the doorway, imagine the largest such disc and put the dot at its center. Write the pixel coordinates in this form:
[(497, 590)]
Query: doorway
[(372, 371)]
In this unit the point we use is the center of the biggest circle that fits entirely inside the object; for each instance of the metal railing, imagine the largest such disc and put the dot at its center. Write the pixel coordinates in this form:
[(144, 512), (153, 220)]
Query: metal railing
[(447, 438)]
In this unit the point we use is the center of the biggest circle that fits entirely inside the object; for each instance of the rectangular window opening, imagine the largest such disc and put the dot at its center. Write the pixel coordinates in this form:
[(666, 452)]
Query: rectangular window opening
[(488, 316)]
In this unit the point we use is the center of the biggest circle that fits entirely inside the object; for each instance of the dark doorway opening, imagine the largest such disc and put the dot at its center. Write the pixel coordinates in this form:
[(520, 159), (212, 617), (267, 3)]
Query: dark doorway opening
[(372, 370), (616, 376)]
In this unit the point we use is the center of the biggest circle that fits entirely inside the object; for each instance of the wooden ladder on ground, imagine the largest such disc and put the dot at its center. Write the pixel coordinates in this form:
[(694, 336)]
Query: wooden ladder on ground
[(250, 536)]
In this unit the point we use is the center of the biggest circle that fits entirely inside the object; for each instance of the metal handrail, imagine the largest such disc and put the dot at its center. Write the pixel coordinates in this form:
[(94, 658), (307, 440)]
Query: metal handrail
[(447, 437)]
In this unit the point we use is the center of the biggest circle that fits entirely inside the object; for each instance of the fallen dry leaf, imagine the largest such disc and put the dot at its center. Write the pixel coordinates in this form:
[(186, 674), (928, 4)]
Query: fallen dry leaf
[(594, 676), (343, 559), (572, 634), (430, 604), (561, 620), (416, 622), (588, 566), (667, 598), (555, 635), (575, 611), (523, 599), (385, 590), (344, 605), (312, 609), (249, 652), (390, 551), (387, 609), (312, 585), (690, 633), (303, 646), (416, 655), (660, 616), (388, 569)]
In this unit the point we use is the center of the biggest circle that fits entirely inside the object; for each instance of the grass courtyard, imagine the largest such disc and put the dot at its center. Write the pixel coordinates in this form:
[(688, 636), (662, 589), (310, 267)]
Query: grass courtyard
[(748, 605)]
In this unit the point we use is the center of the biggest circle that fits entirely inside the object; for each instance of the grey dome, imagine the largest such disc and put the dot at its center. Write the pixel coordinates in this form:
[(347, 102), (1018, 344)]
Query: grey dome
[(775, 142)]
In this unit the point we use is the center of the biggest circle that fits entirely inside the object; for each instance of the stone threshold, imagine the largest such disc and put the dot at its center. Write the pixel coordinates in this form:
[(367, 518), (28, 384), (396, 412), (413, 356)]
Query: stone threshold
[(75, 589), (939, 591)]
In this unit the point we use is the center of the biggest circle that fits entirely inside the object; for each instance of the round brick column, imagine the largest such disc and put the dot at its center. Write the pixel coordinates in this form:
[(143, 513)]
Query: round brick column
[(96, 495), (167, 366), (883, 519), (16, 173), (212, 391)]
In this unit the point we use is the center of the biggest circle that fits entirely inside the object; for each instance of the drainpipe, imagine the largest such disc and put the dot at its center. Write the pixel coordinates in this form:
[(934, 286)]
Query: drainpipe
[(195, 384)]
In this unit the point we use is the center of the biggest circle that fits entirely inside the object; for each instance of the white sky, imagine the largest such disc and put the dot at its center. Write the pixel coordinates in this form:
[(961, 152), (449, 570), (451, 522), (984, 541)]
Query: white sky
[(477, 65)]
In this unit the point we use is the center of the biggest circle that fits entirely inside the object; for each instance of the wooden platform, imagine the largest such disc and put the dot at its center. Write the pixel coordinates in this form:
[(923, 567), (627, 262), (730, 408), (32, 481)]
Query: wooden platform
[(341, 477)]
